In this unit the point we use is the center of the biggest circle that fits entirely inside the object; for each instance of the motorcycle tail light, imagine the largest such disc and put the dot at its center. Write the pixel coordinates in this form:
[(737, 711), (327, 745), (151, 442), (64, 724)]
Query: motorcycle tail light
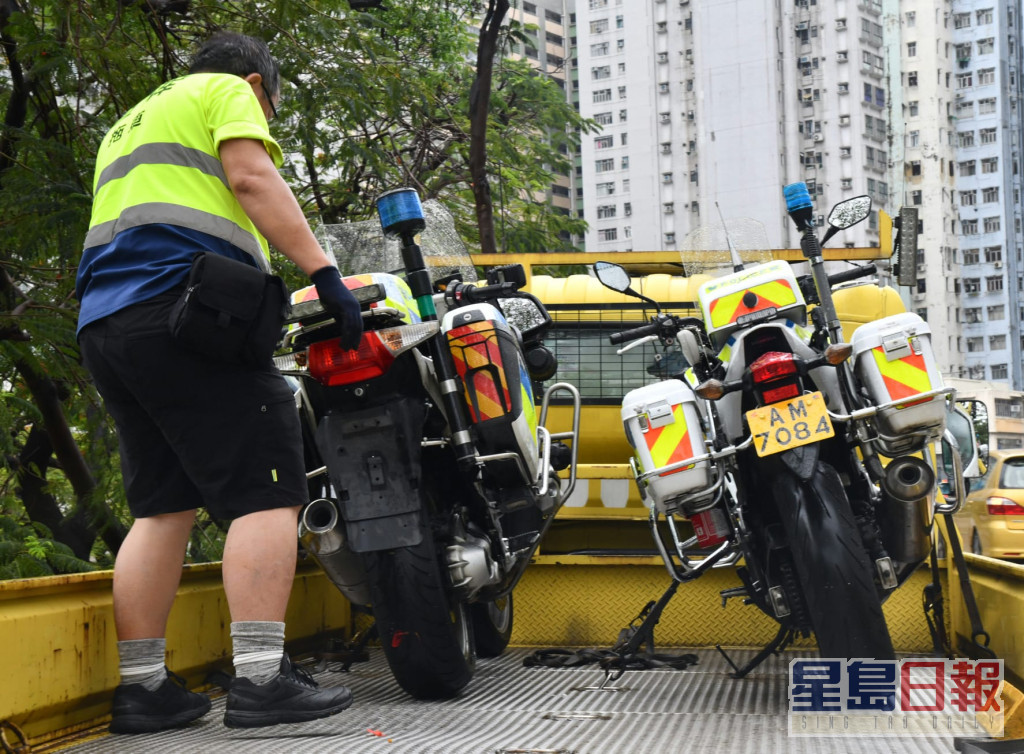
[(1001, 506), (330, 365), (771, 366), (781, 393)]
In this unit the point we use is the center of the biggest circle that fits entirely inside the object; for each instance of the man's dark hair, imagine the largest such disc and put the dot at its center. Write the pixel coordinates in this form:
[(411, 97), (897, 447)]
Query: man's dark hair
[(229, 52)]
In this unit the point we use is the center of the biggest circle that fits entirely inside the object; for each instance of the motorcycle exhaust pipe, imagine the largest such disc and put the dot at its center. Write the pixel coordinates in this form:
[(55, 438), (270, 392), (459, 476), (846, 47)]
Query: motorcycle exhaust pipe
[(905, 517), (322, 533), (908, 479)]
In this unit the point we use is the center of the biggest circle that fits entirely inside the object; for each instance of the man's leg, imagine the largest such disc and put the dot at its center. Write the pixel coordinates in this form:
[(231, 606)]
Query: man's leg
[(259, 564), (147, 574)]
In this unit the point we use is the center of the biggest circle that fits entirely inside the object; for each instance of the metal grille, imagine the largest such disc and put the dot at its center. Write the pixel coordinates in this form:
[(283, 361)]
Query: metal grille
[(589, 361)]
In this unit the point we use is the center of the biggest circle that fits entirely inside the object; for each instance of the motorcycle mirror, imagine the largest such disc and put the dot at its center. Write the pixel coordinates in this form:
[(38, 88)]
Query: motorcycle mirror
[(964, 429), (848, 213), (905, 246), (612, 276), (526, 314)]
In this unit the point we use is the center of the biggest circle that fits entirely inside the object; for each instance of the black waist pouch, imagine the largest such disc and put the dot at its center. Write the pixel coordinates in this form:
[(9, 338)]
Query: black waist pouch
[(230, 311)]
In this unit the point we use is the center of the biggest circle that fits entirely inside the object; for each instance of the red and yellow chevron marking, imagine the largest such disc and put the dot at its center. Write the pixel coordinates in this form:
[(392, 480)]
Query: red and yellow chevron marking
[(904, 377), (477, 356), (724, 310), (671, 443)]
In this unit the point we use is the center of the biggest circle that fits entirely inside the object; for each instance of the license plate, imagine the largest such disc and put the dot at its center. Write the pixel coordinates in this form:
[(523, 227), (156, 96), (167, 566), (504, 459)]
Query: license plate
[(789, 424)]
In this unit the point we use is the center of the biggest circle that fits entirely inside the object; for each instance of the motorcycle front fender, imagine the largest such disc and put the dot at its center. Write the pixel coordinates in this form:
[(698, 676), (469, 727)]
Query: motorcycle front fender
[(373, 460)]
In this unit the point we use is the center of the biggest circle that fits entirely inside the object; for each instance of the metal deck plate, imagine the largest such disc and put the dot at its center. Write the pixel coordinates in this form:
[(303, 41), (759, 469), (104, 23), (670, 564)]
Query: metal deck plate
[(511, 709)]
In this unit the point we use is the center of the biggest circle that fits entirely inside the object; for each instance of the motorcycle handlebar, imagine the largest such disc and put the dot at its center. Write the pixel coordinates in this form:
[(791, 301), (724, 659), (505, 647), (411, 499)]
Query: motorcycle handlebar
[(637, 332), (480, 294), (848, 275)]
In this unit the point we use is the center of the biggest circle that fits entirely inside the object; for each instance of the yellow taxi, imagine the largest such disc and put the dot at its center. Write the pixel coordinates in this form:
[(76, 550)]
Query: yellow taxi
[(991, 522)]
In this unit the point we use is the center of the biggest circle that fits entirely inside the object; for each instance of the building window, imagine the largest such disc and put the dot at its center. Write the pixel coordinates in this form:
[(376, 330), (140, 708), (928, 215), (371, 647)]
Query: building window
[(914, 139), (990, 165), (993, 253), (912, 78), (911, 49), (967, 167), (911, 18), (972, 285), (969, 227), (968, 198), (984, 16), (605, 211), (975, 344), (603, 119), (972, 316), (599, 26), (987, 105), (996, 313), (603, 166), (966, 138), (998, 371), (964, 80), (961, 20), (994, 283), (624, 162), (670, 238), (666, 178), (916, 198), (971, 256), (915, 167), (922, 286), (606, 189), (990, 194), (601, 72), (602, 95), (986, 46), (622, 92), (599, 49), (604, 142), (988, 136), (986, 76), (913, 108), (598, 4), (992, 224), (622, 115), (608, 234)]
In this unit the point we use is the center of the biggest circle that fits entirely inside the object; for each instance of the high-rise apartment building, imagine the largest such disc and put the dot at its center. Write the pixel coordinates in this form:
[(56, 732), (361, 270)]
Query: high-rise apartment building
[(986, 50), (726, 102)]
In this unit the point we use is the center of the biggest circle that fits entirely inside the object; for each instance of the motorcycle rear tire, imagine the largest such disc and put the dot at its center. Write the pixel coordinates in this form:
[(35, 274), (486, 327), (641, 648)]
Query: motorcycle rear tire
[(426, 635), (492, 626), (835, 572)]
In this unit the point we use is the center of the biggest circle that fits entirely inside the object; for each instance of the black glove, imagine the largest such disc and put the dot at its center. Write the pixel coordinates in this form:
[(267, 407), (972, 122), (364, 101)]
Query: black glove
[(339, 301)]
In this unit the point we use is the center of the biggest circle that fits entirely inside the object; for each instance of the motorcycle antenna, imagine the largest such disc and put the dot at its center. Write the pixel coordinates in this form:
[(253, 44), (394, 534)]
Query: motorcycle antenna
[(737, 262)]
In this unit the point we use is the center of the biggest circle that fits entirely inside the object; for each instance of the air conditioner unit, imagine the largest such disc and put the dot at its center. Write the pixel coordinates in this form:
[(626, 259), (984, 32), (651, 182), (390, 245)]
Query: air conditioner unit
[(998, 265), (665, 117), (802, 26), (804, 60), (819, 137), (1016, 409), (689, 115), (841, 25)]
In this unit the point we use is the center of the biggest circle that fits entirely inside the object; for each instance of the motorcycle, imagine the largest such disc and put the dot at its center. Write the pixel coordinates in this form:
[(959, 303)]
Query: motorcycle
[(432, 475), (800, 459)]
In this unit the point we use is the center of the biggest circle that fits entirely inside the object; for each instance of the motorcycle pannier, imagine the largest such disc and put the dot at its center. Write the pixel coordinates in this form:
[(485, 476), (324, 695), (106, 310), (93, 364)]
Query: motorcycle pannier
[(663, 426), (893, 358), (499, 394)]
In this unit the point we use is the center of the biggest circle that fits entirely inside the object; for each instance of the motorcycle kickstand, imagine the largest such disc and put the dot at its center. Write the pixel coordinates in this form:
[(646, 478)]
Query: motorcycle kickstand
[(644, 633), (347, 652), (776, 645)]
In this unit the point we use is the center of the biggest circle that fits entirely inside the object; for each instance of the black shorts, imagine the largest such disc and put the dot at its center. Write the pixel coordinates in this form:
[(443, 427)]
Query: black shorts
[(193, 433)]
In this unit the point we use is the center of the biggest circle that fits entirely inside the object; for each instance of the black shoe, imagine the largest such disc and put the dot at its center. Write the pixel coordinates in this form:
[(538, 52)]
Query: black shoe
[(138, 710), (292, 697)]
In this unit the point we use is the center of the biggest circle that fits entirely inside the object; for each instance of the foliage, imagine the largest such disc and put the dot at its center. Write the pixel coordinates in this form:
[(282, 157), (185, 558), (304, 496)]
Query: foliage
[(370, 101)]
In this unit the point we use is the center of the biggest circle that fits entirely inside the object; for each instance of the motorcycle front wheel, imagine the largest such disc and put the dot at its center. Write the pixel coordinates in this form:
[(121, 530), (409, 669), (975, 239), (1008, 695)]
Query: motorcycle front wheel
[(835, 573), (427, 637)]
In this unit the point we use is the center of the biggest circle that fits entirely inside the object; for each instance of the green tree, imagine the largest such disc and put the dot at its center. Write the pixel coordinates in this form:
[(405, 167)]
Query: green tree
[(372, 100)]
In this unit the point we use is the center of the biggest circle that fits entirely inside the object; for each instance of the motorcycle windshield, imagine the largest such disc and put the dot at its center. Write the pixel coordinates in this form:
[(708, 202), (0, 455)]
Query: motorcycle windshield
[(705, 249), (361, 246)]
